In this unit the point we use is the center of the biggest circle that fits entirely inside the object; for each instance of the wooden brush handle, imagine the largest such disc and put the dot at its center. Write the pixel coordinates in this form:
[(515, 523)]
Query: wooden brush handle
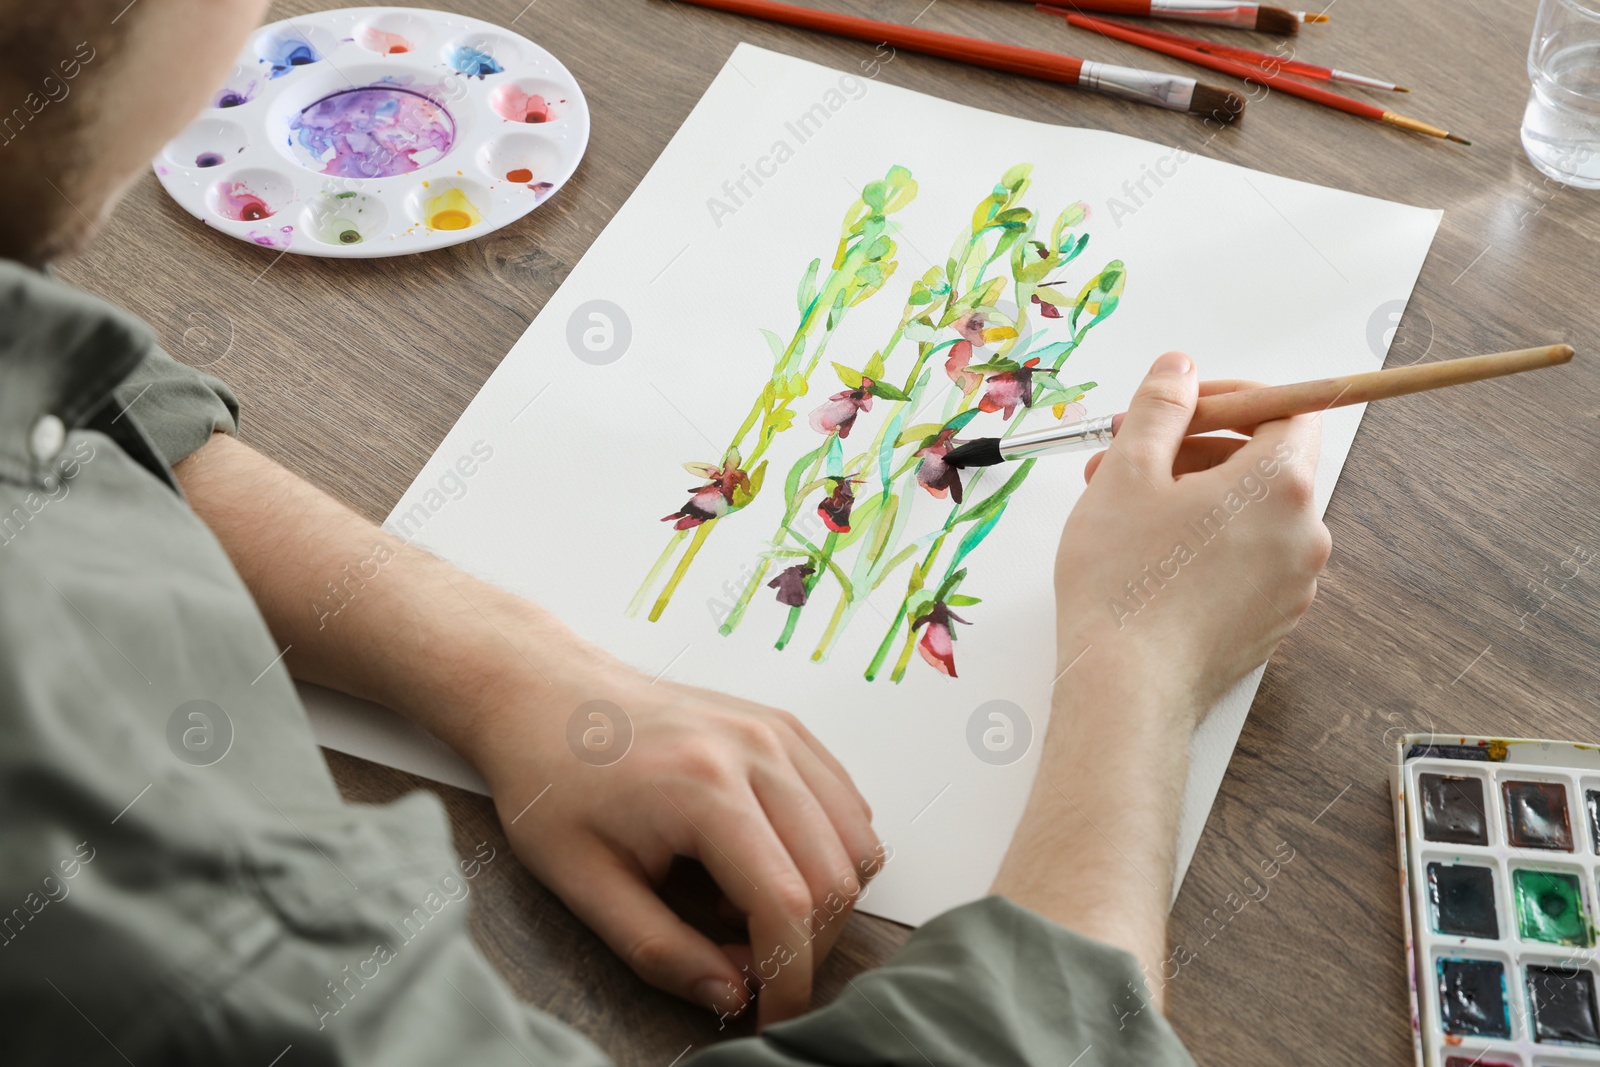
[(1226, 411)]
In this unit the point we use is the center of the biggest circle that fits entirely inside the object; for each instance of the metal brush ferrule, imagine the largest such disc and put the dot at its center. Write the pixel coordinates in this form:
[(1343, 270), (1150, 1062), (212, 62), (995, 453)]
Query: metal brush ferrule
[(1213, 12), (1164, 90), (1087, 433)]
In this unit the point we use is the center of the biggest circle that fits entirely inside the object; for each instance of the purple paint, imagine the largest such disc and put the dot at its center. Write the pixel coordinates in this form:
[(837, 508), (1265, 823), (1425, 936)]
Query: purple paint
[(208, 159), (233, 97), (377, 131)]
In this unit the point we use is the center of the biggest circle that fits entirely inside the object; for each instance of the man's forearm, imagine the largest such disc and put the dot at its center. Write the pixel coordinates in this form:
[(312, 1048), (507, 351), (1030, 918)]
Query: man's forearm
[(1095, 848), (364, 613)]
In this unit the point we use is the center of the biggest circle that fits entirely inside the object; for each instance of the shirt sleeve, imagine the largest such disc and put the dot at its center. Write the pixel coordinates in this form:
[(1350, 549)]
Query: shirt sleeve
[(990, 983), (177, 406)]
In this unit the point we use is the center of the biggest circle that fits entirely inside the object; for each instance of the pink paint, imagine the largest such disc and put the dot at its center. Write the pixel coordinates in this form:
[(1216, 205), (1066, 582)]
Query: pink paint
[(382, 41), (514, 105), (271, 239), (240, 204)]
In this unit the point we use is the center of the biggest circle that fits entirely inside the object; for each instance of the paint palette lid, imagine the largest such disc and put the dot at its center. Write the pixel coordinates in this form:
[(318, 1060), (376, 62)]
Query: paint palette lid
[(379, 131)]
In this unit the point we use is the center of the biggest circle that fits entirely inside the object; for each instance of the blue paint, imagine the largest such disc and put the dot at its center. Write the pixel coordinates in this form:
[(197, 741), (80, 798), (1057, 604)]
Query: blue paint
[(284, 53), (471, 62)]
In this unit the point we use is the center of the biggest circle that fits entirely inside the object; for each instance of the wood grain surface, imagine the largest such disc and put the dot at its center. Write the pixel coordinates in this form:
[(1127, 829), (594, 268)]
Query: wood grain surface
[(1446, 604)]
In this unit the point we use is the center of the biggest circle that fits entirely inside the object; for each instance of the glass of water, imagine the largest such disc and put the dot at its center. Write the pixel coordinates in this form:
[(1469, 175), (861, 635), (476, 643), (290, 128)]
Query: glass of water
[(1561, 127)]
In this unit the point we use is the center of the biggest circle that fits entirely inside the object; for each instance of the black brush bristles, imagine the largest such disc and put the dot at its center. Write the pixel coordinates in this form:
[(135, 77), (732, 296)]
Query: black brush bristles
[(984, 452), (1210, 101), (1277, 20)]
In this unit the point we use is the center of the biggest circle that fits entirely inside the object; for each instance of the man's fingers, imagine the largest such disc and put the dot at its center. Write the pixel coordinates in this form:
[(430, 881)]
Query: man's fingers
[(743, 853), (1196, 454), (1202, 453), (1158, 417), (817, 851), (619, 905), (851, 821)]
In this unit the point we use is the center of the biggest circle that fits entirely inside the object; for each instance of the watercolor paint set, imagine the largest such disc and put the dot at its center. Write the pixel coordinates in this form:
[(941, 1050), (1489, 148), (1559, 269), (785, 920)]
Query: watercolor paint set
[(379, 131), (1500, 868)]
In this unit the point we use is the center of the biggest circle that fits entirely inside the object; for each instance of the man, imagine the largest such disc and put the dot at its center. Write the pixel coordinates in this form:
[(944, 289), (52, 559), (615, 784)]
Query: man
[(161, 912)]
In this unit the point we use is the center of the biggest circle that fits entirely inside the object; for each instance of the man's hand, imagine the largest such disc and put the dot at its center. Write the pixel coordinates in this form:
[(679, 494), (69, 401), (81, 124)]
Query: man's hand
[(742, 788)]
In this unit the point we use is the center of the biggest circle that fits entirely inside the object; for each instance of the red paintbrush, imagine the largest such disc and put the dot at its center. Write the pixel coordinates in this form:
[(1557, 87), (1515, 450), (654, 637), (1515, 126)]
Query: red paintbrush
[(1175, 93), (1359, 108), (1213, 12), (1272, 64)]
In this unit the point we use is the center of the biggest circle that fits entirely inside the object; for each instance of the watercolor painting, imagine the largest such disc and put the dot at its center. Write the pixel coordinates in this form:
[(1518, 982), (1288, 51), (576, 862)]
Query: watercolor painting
[(980, 346)]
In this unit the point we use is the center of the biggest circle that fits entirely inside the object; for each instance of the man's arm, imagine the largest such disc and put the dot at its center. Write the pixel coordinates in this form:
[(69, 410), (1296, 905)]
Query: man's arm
[(1154, 625), (745, 789)]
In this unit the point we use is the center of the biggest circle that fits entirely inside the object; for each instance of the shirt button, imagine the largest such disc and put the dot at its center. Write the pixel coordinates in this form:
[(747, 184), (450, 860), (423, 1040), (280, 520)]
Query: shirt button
[(47, 437)]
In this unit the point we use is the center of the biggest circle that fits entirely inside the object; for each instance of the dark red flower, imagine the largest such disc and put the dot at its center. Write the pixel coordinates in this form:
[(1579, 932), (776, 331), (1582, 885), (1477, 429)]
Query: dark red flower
[(840, 412), (1048, 310), (791, 584), (934, 474), (960, 356), (938, 640), (835, 507), (1010, 389), (712, 500)]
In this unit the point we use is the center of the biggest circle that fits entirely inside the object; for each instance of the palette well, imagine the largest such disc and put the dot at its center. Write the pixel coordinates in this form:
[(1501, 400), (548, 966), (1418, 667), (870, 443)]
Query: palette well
[(379, 131), (1500, 858)]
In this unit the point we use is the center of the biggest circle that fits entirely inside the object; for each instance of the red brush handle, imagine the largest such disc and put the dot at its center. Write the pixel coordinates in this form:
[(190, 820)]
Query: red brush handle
[(1140, 8), (1051, 66)]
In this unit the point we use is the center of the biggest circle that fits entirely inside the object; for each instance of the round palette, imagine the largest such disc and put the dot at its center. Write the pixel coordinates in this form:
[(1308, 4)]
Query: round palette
[(379, 131)]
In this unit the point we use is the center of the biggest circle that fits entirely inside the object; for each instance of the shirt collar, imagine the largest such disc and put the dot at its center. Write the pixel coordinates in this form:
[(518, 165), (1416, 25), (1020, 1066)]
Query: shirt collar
[(62, 351)]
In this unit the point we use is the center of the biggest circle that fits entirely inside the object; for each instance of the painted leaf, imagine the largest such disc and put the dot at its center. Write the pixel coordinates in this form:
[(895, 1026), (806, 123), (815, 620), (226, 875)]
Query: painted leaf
[(887, 391), (792, 484), (701, 470), (975, 536), (961, 420), (874, 367), (808, 287), (775, 343), (852, 378), (920, 432), (961, 600)]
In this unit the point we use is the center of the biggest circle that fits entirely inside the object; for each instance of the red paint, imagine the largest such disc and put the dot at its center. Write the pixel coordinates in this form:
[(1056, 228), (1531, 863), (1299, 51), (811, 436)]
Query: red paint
[(537, 110), (521, 175), (254, 211)]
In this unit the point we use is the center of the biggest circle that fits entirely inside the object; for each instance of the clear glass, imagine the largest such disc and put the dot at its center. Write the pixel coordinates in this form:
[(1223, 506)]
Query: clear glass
[(1561, 127)]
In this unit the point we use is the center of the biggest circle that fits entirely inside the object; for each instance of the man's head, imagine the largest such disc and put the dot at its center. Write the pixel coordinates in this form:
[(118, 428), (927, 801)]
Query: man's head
[(89, 92)]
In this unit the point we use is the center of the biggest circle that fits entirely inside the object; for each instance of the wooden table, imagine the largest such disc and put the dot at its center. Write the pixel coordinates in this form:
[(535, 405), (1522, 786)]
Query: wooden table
[(1445, 606)]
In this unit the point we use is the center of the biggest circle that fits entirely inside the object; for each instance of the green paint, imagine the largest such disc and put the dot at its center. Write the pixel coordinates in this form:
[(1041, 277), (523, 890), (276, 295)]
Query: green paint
[(1550, 908)]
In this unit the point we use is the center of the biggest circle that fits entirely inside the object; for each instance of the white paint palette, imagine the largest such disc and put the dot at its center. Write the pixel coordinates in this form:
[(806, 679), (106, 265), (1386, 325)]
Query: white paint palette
[(379, 131), (1500, 866)]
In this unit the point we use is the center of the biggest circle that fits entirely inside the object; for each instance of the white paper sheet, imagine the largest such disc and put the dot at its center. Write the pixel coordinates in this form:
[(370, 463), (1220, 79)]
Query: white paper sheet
[(1254, 275)]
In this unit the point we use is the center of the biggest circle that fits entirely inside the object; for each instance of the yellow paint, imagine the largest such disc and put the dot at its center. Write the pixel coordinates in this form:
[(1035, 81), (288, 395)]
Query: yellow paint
[(1497, 751), (450, 210)]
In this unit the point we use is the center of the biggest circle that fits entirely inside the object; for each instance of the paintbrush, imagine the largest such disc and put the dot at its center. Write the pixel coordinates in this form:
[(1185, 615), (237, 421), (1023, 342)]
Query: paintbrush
[(1249, 407), (1173, 92), (1211, 12), (1359, 108), (1268, 61)]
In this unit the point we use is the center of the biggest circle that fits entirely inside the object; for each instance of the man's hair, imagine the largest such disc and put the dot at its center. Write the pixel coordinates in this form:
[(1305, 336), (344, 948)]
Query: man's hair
[(52, 58)]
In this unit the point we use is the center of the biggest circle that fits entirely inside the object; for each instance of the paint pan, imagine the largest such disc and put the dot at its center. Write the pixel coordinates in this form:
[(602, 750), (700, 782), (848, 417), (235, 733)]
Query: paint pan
[(379, 131), (1500, 867)]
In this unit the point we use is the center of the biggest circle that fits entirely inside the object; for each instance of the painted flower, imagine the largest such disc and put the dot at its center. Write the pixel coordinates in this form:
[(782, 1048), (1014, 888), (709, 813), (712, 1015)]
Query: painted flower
[(955, 367), (938, 640), (971, 326), (840, 412), (1048, 310), (712, 500), (791, 584), (934, 474), (835, 507), (1010, 389)]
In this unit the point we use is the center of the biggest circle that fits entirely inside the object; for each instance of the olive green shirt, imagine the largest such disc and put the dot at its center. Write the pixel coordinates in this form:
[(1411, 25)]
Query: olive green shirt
[(180, 881)]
